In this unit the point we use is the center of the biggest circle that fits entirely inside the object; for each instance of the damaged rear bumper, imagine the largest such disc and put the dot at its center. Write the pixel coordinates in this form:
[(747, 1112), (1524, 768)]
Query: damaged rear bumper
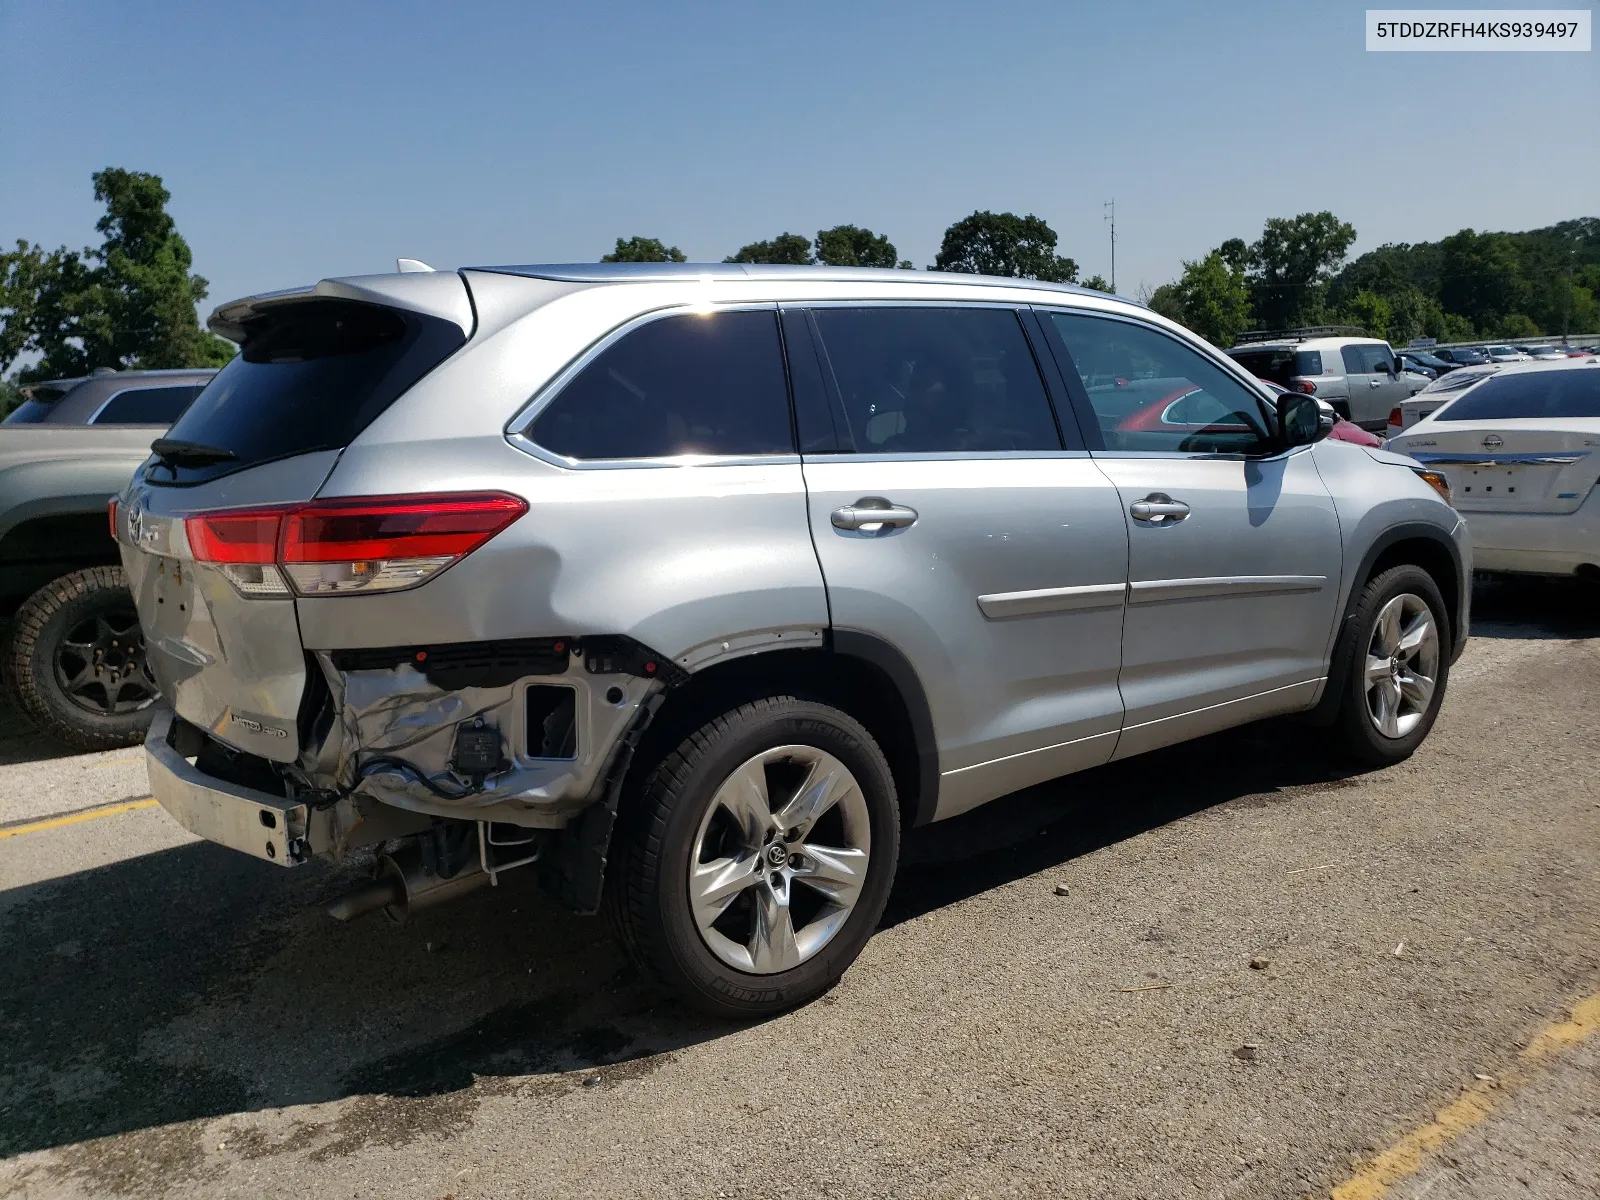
[(257, 823)]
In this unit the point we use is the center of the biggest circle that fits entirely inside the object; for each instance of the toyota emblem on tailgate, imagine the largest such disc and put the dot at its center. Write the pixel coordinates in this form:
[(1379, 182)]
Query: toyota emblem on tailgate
[(1493, 442)]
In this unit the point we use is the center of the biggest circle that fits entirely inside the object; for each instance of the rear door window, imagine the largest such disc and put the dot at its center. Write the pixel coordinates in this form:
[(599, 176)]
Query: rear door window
[(694, 384), (147, 406), (310, 375), (1558, 395), (1355, 362), (934, 379), (1277, 365)]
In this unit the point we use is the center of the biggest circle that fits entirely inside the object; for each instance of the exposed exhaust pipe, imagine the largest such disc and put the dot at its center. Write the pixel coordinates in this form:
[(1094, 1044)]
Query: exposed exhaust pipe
[(401, 889)]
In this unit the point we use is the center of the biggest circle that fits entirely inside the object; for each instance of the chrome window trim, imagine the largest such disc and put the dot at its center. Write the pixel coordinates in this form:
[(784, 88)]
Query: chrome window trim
[(889, 302), (518, 427), (945, 456)]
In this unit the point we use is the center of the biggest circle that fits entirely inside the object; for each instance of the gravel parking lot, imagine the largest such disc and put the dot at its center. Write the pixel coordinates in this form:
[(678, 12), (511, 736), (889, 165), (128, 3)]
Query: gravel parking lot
[(1268, 977)]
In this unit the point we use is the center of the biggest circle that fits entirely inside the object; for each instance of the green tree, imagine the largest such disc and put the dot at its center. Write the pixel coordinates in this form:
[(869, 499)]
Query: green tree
[(1582, 314), (786, 248), (1412, 314), (1481, 277), (1214, 299), (1167, 301), (1291, 263), (1004, 244), (128, 303), (1097, 282), (852, 246), (643, 249), (1368, 310), (1455, 328), (1518, 325)]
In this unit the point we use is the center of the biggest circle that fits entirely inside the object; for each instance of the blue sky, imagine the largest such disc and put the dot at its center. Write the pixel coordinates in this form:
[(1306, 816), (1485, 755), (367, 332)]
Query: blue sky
[(320, 139)]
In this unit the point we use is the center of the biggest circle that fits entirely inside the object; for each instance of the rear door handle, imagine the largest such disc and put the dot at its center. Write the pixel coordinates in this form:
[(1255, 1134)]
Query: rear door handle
[(1158, 508), (872, 514)]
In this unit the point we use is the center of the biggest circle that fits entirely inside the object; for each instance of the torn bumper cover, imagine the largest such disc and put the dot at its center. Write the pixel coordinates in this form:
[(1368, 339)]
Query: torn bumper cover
[(400, 716)]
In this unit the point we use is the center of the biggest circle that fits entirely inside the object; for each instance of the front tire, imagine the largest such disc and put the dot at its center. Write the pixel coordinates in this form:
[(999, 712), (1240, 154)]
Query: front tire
[(1395, 652), (754, 862), (76, 663)]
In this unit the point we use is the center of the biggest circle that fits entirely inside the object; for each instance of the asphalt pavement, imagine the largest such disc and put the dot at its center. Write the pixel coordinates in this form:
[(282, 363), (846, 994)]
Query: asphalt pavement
[(1269, 976)]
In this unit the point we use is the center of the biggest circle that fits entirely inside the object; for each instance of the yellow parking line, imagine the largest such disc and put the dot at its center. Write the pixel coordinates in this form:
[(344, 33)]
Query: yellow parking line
[(89, 814), (1405, 1158)]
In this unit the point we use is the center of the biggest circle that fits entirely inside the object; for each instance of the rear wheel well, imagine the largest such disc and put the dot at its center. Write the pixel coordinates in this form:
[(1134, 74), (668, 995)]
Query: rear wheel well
[(843, 681)]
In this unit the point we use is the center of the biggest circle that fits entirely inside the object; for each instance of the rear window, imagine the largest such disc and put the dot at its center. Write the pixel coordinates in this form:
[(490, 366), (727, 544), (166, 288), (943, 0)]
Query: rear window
[(36, 408), (308, 376), (1557, 394), (147, 406), (1456, 381), (1280, 366)]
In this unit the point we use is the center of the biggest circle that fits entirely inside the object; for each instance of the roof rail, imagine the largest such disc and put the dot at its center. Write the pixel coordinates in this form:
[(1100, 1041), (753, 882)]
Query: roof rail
[(1299, 335)]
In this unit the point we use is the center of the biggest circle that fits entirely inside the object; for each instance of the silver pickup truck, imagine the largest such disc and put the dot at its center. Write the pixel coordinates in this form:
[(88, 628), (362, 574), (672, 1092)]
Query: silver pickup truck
[(73, 660)]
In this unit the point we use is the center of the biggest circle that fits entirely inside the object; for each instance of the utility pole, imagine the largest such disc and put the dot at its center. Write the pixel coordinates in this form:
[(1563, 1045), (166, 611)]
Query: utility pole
[(1110, 209), (1566, 308)]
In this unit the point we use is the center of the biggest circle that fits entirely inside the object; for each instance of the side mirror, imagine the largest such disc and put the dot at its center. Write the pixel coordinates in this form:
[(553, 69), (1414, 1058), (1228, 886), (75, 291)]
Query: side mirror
[(1303, 419)]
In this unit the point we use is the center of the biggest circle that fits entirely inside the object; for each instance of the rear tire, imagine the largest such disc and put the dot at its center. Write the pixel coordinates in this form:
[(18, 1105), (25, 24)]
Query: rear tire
[(76, 665), (727, 887), (1395, 656)]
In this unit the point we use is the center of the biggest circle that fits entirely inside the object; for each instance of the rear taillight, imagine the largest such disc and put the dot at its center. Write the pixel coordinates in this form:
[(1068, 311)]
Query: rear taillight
[(1395, 418), (338, 547), (111, 515), (1306, 386), (385, 543), (244, 545)]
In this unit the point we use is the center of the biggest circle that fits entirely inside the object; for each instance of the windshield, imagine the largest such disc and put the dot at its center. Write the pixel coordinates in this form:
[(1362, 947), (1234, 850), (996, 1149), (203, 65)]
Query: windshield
[(1520, 395)]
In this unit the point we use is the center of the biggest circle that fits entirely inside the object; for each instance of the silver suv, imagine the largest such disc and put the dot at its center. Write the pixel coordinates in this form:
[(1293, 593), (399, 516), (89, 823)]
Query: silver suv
[(691, 588), (1361, 377)]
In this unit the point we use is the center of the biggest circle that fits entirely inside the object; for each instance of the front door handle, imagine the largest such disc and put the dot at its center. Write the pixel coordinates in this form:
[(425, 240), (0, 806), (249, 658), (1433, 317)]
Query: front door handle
[(1158, 508), (1374, 383), (872, 514)]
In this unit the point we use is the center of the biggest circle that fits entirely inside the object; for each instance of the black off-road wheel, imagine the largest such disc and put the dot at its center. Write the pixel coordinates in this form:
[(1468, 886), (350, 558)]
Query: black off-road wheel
[(76, 661), (754, 861)]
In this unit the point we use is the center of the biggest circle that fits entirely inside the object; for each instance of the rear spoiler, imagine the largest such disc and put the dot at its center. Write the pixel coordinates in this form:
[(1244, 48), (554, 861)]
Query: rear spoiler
[(438, 294)]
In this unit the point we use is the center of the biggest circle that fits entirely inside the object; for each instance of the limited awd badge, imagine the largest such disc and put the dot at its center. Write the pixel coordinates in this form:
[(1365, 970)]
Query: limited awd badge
[(258, 727)]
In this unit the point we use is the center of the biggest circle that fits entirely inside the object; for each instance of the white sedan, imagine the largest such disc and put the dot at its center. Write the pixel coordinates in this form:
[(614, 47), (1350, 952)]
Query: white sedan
[(1435, 396), (1506, 354), (1521, 450)]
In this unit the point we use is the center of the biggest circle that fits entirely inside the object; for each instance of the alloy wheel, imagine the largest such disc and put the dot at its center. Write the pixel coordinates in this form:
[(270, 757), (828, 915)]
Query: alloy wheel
[(1402, 665), (780, 859)]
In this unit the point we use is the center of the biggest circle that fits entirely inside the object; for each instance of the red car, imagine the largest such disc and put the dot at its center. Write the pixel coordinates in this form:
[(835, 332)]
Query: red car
[(1171, 414)]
